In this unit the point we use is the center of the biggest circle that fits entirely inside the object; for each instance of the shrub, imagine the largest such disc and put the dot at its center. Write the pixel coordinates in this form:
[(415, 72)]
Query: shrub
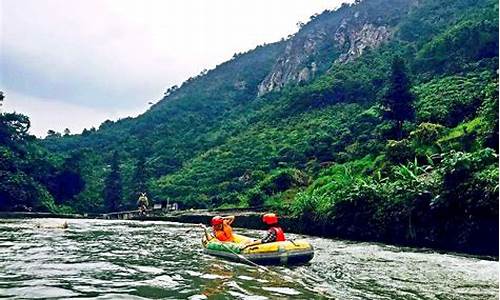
[(424, 139), (276, 183), (399, 151), (452, 99)]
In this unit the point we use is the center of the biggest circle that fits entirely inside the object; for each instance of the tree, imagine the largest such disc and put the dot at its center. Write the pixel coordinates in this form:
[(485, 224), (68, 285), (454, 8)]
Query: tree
[(21, 182), (105, 124), (53, 134), (139, 178), (113, 185), (397, 103), (87, 132), (67, 132), (13, 128), (68, 182)]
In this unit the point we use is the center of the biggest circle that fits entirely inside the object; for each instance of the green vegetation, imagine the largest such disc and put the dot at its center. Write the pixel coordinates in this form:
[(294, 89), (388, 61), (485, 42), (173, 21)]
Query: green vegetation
[(399, 145), (397, 103), (113, 186), (30, 180)]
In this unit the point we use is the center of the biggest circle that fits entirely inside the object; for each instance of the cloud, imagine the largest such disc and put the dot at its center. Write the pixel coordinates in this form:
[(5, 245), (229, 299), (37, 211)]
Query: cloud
[(59, 115), (120, 54)]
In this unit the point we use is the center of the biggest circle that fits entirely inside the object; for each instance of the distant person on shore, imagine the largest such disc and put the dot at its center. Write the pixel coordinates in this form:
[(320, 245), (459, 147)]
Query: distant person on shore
[(221, 227), (274, 233), (143, 203)]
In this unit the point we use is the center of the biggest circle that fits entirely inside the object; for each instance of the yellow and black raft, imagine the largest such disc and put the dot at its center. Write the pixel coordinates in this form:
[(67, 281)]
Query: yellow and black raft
[(276, 253)]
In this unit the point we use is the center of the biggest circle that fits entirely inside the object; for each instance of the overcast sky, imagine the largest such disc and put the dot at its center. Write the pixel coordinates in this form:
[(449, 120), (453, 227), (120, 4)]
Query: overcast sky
[(77, 63)]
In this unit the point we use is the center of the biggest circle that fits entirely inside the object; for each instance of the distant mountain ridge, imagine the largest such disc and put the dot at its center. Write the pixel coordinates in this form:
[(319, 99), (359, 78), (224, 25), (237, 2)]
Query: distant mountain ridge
[(330, 37)]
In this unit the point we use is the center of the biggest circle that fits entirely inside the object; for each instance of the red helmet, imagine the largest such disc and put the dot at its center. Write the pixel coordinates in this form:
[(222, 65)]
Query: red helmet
[(217, 220), (270, 219)]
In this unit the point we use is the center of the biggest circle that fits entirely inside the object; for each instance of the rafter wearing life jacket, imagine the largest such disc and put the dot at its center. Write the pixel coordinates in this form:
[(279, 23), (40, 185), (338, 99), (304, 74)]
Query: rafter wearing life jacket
[(275, 232), (222, 228)]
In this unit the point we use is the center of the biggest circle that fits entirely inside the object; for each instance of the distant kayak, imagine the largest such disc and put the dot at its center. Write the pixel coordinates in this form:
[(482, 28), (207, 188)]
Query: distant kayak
[(276, 253)]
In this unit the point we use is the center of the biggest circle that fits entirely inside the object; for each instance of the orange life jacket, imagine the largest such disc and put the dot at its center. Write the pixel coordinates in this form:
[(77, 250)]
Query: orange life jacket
[(224, 235), (280, 235)]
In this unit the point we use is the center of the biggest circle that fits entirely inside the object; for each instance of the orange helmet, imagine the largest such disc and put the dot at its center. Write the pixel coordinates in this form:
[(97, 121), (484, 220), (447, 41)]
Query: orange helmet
[(270, 219), (217, 220)]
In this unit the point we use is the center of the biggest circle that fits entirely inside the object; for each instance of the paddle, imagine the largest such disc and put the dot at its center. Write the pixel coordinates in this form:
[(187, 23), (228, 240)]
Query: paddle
[(247, 260)]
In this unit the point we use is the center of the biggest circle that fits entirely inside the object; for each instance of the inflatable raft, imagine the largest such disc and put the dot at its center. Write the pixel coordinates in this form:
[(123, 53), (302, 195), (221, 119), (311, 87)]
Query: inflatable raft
[(287, 252)]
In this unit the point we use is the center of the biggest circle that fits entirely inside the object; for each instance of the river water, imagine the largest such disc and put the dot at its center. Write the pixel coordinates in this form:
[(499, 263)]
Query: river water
[(97, 259)]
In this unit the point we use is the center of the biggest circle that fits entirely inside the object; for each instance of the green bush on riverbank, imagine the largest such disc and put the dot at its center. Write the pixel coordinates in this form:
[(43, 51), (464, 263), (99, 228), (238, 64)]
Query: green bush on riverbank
[(451, 204)]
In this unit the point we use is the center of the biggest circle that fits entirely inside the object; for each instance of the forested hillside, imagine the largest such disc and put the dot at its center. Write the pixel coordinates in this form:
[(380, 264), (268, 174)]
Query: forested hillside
[(30, 177), (375, 121)]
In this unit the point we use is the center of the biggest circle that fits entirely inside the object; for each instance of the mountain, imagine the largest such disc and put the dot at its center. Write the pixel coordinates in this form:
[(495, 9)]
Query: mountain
[(339, 36), (314, 126)]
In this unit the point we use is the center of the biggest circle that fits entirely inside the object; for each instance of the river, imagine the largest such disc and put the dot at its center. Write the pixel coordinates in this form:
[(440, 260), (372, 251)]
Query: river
[(98, 259)]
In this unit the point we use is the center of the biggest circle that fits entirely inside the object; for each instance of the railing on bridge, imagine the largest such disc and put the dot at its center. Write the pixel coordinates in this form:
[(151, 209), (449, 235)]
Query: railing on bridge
[(122, 215), (132, 214)]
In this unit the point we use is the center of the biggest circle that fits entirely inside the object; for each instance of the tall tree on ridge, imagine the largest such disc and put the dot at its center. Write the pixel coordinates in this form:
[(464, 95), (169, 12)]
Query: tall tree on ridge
[(139, 178), (113, 185), (398, 100)]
